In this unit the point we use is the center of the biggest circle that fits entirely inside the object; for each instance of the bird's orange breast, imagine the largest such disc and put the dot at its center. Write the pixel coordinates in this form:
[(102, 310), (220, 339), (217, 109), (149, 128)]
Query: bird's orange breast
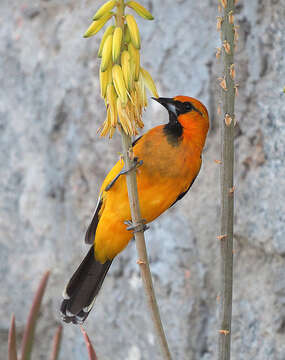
[(167, 171)]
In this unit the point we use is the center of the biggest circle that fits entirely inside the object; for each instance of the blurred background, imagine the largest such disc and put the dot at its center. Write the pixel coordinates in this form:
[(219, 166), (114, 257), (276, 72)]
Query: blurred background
[(52, 164)]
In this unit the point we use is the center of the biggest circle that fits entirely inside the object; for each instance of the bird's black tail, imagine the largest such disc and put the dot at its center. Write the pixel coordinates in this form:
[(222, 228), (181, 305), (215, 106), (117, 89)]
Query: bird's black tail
[(80, 293)]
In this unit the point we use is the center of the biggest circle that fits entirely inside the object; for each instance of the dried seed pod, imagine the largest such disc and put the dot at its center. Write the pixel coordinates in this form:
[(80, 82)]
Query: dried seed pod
[(232, 71), (221, 237), (227, 47), (228, 120), (236, 36), (231, 17), (225, 332), (223, 84), (219, 23), (218, 53), (219, 110)]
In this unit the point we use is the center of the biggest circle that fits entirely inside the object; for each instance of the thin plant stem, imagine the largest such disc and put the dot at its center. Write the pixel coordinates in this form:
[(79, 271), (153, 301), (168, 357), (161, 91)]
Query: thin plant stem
[(227, 188), (141, 247)]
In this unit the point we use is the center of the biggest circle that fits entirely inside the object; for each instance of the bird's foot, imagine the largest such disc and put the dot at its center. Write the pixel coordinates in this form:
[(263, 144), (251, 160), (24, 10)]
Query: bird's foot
[(135, 165), (142, 227)]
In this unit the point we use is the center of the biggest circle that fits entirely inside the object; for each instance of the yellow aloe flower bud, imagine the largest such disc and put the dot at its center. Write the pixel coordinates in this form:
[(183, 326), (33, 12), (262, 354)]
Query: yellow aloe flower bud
[(112, 101), (142, 92), (134, 31), (140, 10), (105, 79), (119, 83), (109, 31), (139, 87), (144, 98), (126, 68), (108, 6), (107, 52), (117, 43), (127, 36), (135, 55), (103, 82), (149, 83), (97, 25)]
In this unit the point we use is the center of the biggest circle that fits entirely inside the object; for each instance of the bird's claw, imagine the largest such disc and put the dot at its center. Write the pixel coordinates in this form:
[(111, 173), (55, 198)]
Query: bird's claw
[(142, 227), (135, 165)]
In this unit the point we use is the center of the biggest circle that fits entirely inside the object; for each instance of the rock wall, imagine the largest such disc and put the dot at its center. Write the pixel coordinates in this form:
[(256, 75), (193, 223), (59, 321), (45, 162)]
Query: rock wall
[(52, 163)]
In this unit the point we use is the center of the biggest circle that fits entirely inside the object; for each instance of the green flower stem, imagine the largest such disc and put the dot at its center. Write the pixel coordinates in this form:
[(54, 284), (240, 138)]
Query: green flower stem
[(120, 14)]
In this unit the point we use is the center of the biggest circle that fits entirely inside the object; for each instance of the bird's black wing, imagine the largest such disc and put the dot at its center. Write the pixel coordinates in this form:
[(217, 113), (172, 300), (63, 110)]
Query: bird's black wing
[(134, 142), (180, 196), (90, 233)]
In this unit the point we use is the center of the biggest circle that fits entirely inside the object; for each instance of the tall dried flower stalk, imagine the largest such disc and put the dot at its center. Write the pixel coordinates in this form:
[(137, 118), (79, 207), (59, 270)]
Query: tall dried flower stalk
[(226, 26)]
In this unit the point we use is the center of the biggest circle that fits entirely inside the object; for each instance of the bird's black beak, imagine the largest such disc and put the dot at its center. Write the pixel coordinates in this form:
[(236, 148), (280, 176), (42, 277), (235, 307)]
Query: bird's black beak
[(168, 103)]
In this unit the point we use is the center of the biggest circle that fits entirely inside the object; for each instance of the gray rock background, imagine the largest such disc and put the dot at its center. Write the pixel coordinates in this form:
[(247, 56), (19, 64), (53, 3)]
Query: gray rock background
[(52, 163)]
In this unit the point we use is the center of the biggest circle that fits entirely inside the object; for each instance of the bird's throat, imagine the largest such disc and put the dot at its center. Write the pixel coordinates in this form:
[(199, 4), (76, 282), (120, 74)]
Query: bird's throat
[(173, 130)]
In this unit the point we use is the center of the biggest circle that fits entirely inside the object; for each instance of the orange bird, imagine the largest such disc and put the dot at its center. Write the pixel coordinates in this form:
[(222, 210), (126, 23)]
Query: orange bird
[(170, 158)]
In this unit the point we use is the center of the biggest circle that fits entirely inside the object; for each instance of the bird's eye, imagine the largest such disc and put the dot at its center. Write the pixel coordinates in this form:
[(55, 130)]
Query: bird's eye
[(188, 106)]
